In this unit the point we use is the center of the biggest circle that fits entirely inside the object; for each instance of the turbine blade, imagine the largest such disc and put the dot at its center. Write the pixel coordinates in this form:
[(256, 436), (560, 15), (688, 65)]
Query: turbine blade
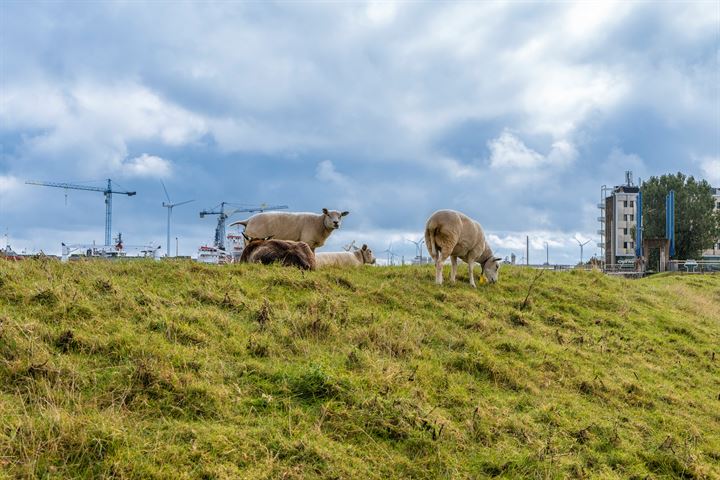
[(166, 193)]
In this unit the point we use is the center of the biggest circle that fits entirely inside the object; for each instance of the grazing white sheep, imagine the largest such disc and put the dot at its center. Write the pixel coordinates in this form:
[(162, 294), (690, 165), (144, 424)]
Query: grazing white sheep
[(311, 228), (359, 257), (453, 234)]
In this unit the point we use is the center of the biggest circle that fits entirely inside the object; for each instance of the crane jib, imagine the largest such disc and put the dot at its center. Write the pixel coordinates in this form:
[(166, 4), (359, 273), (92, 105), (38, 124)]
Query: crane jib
[(107, 191)]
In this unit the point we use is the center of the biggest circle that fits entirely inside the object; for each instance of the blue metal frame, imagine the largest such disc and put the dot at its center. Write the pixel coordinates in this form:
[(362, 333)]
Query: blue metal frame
[(670, 220), (638, 227)]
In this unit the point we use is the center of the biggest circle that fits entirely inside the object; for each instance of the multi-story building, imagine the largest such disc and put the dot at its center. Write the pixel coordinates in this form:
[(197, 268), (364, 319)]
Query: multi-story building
[(714, 252), (618, 220)]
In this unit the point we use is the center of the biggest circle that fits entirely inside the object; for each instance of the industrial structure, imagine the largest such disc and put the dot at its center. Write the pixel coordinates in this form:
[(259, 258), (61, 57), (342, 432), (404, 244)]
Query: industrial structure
[(116, 251), (622, 236), (617, 221), (217, 253), (108, 192), (223, 215)]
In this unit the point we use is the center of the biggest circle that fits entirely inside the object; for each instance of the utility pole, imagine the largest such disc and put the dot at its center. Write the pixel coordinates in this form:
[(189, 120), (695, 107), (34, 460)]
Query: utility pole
[(547, 254), (527, 250)]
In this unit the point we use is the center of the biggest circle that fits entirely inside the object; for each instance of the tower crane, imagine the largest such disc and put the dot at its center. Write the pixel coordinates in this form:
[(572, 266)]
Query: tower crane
[(108, 192), (224, 215)]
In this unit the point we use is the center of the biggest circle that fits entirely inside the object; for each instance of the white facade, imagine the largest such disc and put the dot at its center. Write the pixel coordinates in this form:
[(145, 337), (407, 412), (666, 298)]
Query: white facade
[(625, 209), (619, 222)]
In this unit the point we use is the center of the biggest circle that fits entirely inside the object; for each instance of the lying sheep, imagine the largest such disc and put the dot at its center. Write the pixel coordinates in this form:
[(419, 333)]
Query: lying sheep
[(452, 234), (267, 250), (345, 259), (311, 228)]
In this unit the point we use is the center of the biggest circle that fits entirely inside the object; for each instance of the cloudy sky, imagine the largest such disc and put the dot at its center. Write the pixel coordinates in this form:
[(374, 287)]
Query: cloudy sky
[(513, 112)]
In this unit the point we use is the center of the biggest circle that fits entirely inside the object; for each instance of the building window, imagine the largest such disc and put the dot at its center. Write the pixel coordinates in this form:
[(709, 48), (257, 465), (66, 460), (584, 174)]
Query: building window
[(631, 217), (632, 204), (625, 204), (625, 231), (718, 206), (627, 245)]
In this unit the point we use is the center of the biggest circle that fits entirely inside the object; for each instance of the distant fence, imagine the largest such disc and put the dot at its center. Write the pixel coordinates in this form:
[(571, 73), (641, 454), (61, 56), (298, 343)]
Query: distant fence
[(694, 266)]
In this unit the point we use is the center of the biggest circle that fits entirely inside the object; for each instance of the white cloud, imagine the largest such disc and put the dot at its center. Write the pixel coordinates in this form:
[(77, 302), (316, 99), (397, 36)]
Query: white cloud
[(518, 163), (326, 173), (381, 11), (90, 125), (710, 167), (146, 166), (8, 184)]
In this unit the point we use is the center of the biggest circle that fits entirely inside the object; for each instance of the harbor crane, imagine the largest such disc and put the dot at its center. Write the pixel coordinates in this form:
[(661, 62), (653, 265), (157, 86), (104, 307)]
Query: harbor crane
[(223, 215), (108, 192)]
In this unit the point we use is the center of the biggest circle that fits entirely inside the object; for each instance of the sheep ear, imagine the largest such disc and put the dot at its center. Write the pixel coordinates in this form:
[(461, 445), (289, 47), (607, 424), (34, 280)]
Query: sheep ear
[(325, 211), (344, 213), (364, 247)]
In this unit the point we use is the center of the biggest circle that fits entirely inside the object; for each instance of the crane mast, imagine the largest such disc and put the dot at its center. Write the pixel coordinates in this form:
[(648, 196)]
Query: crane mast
[(108, 192)]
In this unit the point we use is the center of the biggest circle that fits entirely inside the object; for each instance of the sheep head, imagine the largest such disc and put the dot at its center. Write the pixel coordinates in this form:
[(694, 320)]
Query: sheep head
[(333, 218)]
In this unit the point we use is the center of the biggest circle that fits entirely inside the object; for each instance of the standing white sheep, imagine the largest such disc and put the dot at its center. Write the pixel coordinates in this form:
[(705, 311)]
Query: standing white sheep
[(453, 234), (359, 257), (311, 228)]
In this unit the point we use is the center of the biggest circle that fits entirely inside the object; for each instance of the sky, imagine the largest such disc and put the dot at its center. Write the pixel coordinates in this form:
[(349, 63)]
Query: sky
[(515, 113)]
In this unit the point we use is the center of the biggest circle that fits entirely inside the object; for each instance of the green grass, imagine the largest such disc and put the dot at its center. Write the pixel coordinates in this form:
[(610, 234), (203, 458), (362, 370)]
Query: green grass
[(180, 370)]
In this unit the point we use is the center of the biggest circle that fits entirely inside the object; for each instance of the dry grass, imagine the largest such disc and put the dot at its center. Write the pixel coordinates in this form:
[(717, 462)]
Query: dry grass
[(179, 370)]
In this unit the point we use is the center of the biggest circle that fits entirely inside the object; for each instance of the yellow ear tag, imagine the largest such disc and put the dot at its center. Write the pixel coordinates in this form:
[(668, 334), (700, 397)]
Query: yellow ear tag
[(482, 279)]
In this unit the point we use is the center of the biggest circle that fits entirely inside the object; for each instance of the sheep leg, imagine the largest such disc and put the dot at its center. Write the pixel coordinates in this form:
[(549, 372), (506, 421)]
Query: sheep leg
[(471, 264), (453, 268), (439, 268)]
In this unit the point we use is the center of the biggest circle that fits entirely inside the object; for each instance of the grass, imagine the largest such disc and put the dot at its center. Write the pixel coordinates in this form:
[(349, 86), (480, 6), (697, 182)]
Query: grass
[(181, 370)]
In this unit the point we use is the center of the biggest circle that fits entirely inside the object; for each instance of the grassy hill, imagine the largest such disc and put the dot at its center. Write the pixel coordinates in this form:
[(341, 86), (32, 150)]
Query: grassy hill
[(180, 370)]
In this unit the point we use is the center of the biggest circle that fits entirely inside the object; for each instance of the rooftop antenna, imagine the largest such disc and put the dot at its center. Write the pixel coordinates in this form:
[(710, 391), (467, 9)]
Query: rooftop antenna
[(169, 205), (581, 244), (628, 178), (224, 215), (108, 192)]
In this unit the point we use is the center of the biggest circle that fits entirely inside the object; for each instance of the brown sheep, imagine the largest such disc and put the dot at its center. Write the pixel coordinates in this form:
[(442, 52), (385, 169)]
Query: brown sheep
[(267, 250)]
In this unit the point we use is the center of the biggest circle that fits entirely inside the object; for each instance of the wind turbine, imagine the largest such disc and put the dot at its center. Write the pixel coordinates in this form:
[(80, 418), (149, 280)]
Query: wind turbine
[(350, 247), (169, 205), (391, 254), (418, 245), (581, 244)]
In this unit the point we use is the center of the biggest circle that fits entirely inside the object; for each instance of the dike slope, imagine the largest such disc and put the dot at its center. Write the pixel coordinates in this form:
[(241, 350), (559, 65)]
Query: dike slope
[(180, 370)]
